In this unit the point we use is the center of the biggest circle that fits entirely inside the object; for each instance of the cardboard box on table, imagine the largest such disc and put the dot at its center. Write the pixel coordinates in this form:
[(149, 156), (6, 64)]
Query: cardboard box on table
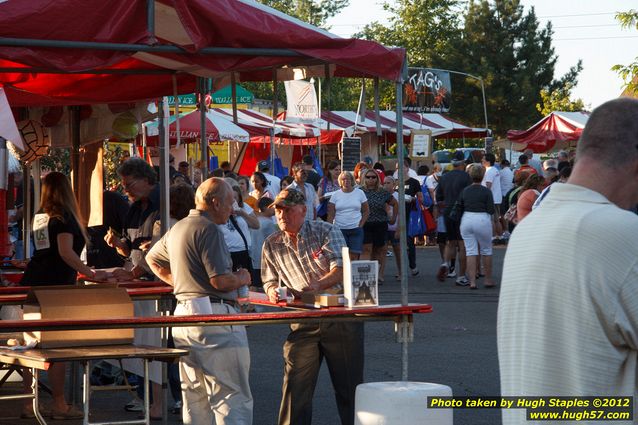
[(77, 302)]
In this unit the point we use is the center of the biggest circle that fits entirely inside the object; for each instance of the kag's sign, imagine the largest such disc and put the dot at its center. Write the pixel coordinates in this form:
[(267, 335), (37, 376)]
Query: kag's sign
[(427, 90)]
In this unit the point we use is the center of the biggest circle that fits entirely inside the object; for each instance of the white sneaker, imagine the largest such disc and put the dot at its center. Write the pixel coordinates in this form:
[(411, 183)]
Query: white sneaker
[(135, 405), (451, 274), (462, 281), (389, 254)]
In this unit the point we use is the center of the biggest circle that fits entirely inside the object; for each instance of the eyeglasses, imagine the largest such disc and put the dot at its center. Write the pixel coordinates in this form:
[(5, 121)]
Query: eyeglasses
[(371, 177), (129, 185)]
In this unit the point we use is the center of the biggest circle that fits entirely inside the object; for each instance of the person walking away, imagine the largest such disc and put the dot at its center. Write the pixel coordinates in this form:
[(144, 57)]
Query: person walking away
[(413, 193), (450, 187), (477, 204)]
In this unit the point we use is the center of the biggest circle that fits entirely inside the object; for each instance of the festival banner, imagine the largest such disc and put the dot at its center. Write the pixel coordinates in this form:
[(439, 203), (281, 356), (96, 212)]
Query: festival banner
[(302, 101)]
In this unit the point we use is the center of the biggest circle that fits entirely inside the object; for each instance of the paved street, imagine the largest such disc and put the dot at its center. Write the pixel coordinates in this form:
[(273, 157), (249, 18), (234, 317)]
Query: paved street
[(455, 345)]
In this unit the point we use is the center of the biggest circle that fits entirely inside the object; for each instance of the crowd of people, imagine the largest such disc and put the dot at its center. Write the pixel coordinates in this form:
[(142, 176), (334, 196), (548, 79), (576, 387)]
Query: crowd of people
[(230, 232)]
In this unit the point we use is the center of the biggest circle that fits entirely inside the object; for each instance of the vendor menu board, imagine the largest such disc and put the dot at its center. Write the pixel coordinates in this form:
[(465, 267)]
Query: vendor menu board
[(350, 153)]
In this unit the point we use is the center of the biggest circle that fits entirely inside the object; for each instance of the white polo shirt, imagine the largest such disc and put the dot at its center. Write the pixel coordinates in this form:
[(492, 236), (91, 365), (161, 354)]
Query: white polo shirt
[(568, 309)]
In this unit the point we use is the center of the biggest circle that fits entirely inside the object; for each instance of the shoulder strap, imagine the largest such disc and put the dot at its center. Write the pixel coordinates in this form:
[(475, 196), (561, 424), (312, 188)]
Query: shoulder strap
[(233, 221)]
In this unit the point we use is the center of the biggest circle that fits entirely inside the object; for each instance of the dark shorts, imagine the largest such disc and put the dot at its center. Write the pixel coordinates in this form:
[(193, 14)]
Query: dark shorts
[(391, 237), (354, 239), (375, 233), (453, 229), (441, 237)]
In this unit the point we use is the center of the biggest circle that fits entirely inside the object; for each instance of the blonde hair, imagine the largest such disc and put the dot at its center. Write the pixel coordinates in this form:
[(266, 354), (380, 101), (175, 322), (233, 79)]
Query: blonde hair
[(57, 198)]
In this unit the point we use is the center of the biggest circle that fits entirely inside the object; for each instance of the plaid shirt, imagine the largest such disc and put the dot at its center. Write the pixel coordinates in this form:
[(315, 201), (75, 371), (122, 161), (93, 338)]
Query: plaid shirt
[(318, 251)]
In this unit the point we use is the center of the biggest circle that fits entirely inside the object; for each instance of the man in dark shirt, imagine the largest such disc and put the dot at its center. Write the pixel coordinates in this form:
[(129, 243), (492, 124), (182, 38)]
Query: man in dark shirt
[(313, 177), (413, 189), (451, 184)]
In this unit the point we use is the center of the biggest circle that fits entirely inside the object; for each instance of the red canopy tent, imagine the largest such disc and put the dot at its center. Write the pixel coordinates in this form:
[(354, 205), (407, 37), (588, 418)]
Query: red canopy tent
[(557, 130), (116, 58)]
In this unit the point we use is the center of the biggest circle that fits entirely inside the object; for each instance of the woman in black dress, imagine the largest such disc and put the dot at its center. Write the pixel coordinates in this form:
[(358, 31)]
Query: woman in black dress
[(59, 237)]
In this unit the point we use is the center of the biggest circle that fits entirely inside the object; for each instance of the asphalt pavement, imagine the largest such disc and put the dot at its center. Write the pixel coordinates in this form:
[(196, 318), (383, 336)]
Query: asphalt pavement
[(455, 345)]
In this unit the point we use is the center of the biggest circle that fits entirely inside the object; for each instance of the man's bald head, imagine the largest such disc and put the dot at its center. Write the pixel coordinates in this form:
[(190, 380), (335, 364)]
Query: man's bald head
[(611, 134), (212, 188), (215, 197)]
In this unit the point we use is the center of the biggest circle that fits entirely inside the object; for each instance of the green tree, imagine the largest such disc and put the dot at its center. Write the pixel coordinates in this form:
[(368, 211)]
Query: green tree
[(315, 12), (629, 73), (515, 58), (425, 28), (558, 100)]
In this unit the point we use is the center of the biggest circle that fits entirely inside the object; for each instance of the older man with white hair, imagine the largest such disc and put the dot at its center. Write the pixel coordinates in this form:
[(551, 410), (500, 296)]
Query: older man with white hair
[(193, 258)]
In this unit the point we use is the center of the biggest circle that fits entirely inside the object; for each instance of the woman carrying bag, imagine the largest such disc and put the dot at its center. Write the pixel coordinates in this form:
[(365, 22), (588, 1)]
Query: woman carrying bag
[(476, 207)]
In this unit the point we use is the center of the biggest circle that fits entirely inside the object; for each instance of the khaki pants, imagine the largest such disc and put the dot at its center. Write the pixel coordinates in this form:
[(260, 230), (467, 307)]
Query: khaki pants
[(214, 375)]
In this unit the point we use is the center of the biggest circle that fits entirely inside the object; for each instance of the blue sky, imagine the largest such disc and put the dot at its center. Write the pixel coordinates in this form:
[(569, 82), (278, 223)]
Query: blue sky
[(583, 29)]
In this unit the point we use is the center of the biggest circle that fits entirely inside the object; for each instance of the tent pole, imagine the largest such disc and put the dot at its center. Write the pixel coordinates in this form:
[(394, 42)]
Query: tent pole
[(74, 118), (202, 128), (26, 210), (272, 151), (404, 325), (377, 114), (275, 112), (233, 95), (318, 117), (163, 160), (150, 21), (328, 94)]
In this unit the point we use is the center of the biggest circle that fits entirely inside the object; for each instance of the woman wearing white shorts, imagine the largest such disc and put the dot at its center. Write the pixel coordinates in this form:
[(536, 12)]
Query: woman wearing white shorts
[(477, 205)]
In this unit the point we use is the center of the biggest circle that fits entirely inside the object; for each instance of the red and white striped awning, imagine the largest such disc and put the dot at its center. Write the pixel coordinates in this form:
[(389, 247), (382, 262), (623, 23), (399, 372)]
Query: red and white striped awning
[(558, 130), (440, 125), (258, 124)]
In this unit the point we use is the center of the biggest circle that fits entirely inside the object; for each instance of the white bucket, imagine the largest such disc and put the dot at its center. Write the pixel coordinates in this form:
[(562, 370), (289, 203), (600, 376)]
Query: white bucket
[(400, 403)]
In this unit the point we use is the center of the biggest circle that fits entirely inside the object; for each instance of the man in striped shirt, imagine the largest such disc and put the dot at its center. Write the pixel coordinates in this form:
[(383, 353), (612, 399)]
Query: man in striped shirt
[(306, 256), (568, 310)]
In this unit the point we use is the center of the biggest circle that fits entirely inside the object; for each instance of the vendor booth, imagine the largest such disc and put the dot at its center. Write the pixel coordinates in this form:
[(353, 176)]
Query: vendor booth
[(558, 130), (71, 53)]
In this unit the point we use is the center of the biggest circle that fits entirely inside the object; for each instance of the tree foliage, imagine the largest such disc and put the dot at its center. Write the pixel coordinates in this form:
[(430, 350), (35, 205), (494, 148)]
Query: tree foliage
[(514, 56), (315, 12), (629, 73), (558, 100)]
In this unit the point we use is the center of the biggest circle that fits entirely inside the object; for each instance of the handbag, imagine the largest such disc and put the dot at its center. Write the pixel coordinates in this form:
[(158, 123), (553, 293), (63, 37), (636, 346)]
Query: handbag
[(416, 223), (430, 222), (511, 214)]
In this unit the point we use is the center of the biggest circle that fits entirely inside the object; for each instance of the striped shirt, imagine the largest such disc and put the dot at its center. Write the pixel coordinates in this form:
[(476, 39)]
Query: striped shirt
[(317, 252), (568, 310)]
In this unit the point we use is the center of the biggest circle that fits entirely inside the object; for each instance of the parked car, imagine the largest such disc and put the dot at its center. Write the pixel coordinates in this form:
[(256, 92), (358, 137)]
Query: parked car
[(444, 157)]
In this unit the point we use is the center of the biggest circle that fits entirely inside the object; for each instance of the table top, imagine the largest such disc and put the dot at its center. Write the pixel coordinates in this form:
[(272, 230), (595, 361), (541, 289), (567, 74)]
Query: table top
[(384, 312), (42, 358)]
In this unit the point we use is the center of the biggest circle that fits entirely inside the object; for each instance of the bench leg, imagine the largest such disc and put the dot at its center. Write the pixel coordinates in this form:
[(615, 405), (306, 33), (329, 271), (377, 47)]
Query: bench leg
[(86, 391), (36, 396)]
